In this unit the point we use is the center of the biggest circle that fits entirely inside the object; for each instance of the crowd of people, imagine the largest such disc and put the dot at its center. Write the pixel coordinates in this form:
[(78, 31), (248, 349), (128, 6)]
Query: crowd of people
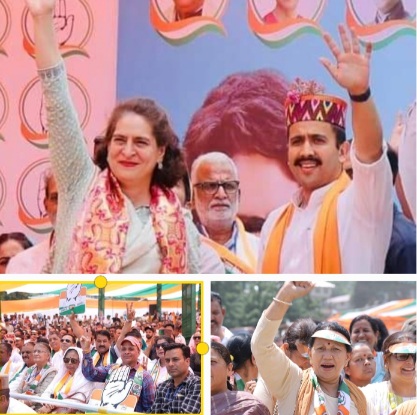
[(319, 367), (133, 208), (137, 364)]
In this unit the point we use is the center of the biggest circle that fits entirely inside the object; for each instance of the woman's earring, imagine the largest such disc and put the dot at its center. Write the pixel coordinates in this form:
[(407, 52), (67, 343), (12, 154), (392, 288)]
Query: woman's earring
[(160, 165)]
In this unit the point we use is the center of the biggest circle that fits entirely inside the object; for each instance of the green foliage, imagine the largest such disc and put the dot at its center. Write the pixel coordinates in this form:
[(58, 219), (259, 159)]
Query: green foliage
[(368, 293), (245, 302), (13, 296)]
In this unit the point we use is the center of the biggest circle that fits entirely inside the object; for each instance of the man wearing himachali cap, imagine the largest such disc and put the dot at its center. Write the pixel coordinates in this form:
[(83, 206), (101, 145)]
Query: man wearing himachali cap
[(332, 224), (320, 389)]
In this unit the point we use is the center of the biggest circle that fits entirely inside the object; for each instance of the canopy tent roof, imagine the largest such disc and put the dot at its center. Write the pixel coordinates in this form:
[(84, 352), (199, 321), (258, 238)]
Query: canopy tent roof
[(116, 295), (113, 289), (393, 314)]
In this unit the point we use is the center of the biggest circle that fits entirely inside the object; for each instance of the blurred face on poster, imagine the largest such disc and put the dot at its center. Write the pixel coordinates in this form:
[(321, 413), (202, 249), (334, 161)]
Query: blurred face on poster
[(185, 7), (277, 188), (385, 6), (287, 5)]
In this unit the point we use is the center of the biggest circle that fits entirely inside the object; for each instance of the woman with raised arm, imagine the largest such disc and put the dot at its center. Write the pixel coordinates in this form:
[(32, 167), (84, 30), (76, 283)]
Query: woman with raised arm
[(319, 389), (121, 217)]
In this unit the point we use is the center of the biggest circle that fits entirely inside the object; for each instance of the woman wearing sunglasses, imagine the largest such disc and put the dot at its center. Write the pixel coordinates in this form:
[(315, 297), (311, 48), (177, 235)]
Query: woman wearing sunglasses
[(400, 366), (157, 367), (68, 384), (39, 376)]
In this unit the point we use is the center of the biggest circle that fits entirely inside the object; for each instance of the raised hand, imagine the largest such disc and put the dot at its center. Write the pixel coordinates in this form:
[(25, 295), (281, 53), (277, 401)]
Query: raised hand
[(85, 340), (40, 7), (291, 290), (352, 68), (130, 312), (117, 388)]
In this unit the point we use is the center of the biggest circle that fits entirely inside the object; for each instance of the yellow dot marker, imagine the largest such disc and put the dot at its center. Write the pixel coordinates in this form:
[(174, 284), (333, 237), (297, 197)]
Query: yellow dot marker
[(202, 348), (100, 281)]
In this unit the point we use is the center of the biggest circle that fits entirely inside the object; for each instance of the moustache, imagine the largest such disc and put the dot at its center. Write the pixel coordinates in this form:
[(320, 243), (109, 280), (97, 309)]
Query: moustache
[(300, 160)]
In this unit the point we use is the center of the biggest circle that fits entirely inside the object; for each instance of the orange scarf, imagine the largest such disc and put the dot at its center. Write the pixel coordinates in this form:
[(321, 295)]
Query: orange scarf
[(99, 241), (230, 259), (327, 258), (7, 367), (60, 385)]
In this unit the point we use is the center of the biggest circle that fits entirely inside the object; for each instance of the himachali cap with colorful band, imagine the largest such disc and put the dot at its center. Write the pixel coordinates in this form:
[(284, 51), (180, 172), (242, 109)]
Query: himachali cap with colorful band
[(306, 102), (403, 348), (331, 335)]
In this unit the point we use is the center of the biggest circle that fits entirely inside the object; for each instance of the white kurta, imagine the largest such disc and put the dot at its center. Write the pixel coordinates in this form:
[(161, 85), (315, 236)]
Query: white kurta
[(407, 160), (364, 215), (253, 241), (377, 393), (17, 407), (282, 377)]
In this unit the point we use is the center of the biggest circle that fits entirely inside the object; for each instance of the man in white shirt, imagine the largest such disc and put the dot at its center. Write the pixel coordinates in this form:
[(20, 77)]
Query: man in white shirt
[(9, 405), (218, 312), (332, 224), (216, 197), (32, 260)]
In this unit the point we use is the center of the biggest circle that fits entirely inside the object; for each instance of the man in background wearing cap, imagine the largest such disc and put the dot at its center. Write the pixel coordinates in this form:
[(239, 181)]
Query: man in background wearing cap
[(129, 378), (182, 392), (333, 224), (9, 405)]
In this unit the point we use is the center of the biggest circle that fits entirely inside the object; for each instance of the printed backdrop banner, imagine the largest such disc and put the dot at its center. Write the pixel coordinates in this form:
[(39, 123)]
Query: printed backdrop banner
[(87, 33), (178, 62)]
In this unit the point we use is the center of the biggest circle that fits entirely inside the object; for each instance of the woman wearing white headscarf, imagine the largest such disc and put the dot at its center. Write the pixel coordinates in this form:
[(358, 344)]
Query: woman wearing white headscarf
[(69, 383)]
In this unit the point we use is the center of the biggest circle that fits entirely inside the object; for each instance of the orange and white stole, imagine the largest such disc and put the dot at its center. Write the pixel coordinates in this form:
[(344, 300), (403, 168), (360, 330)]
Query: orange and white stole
[(5, 370), (228, 257), (99, 238), (105, 361), (156, 371), (63, 387), (327, 259)]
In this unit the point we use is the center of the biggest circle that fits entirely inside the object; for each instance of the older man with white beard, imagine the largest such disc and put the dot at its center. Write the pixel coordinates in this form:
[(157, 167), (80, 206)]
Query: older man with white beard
[(216, 197)]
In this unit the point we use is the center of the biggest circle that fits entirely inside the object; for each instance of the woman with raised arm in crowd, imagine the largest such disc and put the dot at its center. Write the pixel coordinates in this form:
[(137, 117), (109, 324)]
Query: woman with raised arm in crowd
[(319, 389), (123, 218)]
